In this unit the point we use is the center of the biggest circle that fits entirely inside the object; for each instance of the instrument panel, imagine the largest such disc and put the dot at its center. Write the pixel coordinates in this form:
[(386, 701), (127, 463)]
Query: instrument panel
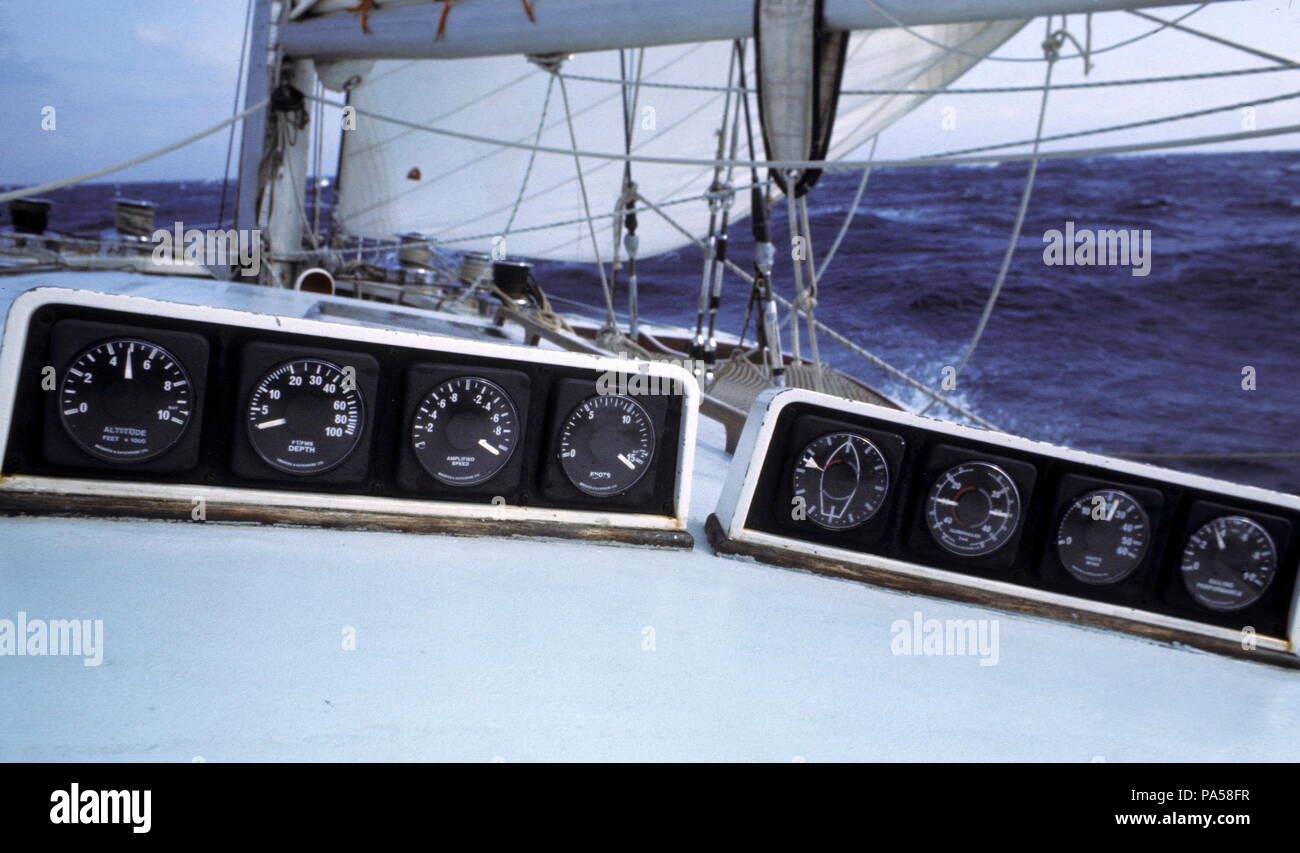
[(162, 394), (858, 490)]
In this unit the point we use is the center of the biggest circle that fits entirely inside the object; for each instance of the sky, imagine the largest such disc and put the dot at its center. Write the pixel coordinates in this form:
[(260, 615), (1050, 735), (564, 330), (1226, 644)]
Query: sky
[(130, 76)]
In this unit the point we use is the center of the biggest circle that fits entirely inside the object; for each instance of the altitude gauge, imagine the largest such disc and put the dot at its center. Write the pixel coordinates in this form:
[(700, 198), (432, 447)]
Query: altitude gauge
[(465, 431), (303, 417), (842, 478), (125, 400), (973, 509), (606, 444), (1229, 562), (1103, 536)]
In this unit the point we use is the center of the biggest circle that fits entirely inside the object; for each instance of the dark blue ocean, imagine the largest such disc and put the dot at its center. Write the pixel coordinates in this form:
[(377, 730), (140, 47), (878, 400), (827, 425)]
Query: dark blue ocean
[(1087, 356)]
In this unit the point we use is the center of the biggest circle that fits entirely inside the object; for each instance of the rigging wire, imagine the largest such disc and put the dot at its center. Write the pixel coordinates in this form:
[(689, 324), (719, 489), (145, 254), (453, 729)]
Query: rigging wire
[(977, 90), (1282, 60), (841, 165), (230, 142), (889, 16), (50, 186), (611, 323)]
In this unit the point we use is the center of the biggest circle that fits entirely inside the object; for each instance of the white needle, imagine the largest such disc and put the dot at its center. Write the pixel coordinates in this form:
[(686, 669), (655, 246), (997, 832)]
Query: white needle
[(999, 514), (275, 423), (623, 459), (810, 462), (127, 374), (482, 442), (945, 501), (1218, 534)]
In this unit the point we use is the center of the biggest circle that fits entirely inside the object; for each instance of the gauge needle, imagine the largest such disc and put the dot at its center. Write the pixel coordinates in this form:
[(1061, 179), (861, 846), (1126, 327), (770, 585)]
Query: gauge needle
[(127, 373), (1218, 534), (624, 460), (811, 463), (482, 442), (945, 501), (275, 423)]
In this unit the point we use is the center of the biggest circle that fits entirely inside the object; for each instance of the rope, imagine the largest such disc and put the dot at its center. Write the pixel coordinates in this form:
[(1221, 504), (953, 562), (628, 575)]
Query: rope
[(950, 49), (1051, 47), (853, 209), (586, 207), (1282, 60), (842, 165), (38, 189), (810, 300)]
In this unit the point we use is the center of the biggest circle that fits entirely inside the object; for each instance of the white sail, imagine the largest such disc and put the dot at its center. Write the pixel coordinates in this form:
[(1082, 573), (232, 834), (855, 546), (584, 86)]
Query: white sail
[(466, 192)]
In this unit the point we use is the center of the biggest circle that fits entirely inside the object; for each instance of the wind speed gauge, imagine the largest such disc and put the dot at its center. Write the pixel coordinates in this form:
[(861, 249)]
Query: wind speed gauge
[(842, 478)]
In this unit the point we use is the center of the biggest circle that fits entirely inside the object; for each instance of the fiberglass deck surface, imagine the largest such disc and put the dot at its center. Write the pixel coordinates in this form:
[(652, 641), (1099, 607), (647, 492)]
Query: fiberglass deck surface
[(226, 643)]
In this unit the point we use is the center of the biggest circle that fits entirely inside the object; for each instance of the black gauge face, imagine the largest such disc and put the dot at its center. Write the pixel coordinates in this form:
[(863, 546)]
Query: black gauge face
[(842, 478), (465, 431), (303, 417), (126, 400), (606, 444), (1229, 562), (973, 509), (1103, 536)]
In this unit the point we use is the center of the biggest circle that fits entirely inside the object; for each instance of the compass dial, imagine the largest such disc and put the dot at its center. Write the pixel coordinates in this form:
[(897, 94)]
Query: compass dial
[(973, 509), (125, 400), (1229, 562), (843, 480), (606, 444), (304, 416), (465, 431), (1103, 536)]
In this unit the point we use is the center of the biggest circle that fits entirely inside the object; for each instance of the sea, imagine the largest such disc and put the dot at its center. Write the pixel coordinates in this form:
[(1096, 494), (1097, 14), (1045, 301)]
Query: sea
[(1198, 361)]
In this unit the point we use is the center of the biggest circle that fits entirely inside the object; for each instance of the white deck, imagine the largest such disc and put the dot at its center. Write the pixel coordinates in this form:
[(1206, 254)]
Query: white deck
[(225, 642)]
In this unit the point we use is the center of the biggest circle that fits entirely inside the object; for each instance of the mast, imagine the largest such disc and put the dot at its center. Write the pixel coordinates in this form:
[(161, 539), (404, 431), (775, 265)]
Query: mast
[(257, 85), (492, 28)]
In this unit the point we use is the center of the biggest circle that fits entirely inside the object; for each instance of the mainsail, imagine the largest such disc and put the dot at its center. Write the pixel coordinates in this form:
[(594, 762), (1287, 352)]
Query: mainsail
[(397, 179)]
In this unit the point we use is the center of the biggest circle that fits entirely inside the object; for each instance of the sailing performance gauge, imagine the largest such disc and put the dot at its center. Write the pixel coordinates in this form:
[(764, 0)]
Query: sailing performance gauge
[(465, 430), (305, 416), (1103, 536), (973, 509), (606, 444), (842, 478), (126, 400), (1229, 562)]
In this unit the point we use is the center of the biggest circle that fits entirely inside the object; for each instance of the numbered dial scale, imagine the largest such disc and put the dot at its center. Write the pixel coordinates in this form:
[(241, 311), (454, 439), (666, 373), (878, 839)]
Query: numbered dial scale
[(973, 509), (606, 444), (305, 416), (1103, 536), (1229, 562), (842, 478), (465, 431), (125, 400)]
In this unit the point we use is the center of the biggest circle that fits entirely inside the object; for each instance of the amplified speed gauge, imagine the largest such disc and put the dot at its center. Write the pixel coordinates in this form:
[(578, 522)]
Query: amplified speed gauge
[(305, 416), (1103, 536), (1229, 562), (125, 400), (465, 431), (842, 478), (973, 509), (606, 444)]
